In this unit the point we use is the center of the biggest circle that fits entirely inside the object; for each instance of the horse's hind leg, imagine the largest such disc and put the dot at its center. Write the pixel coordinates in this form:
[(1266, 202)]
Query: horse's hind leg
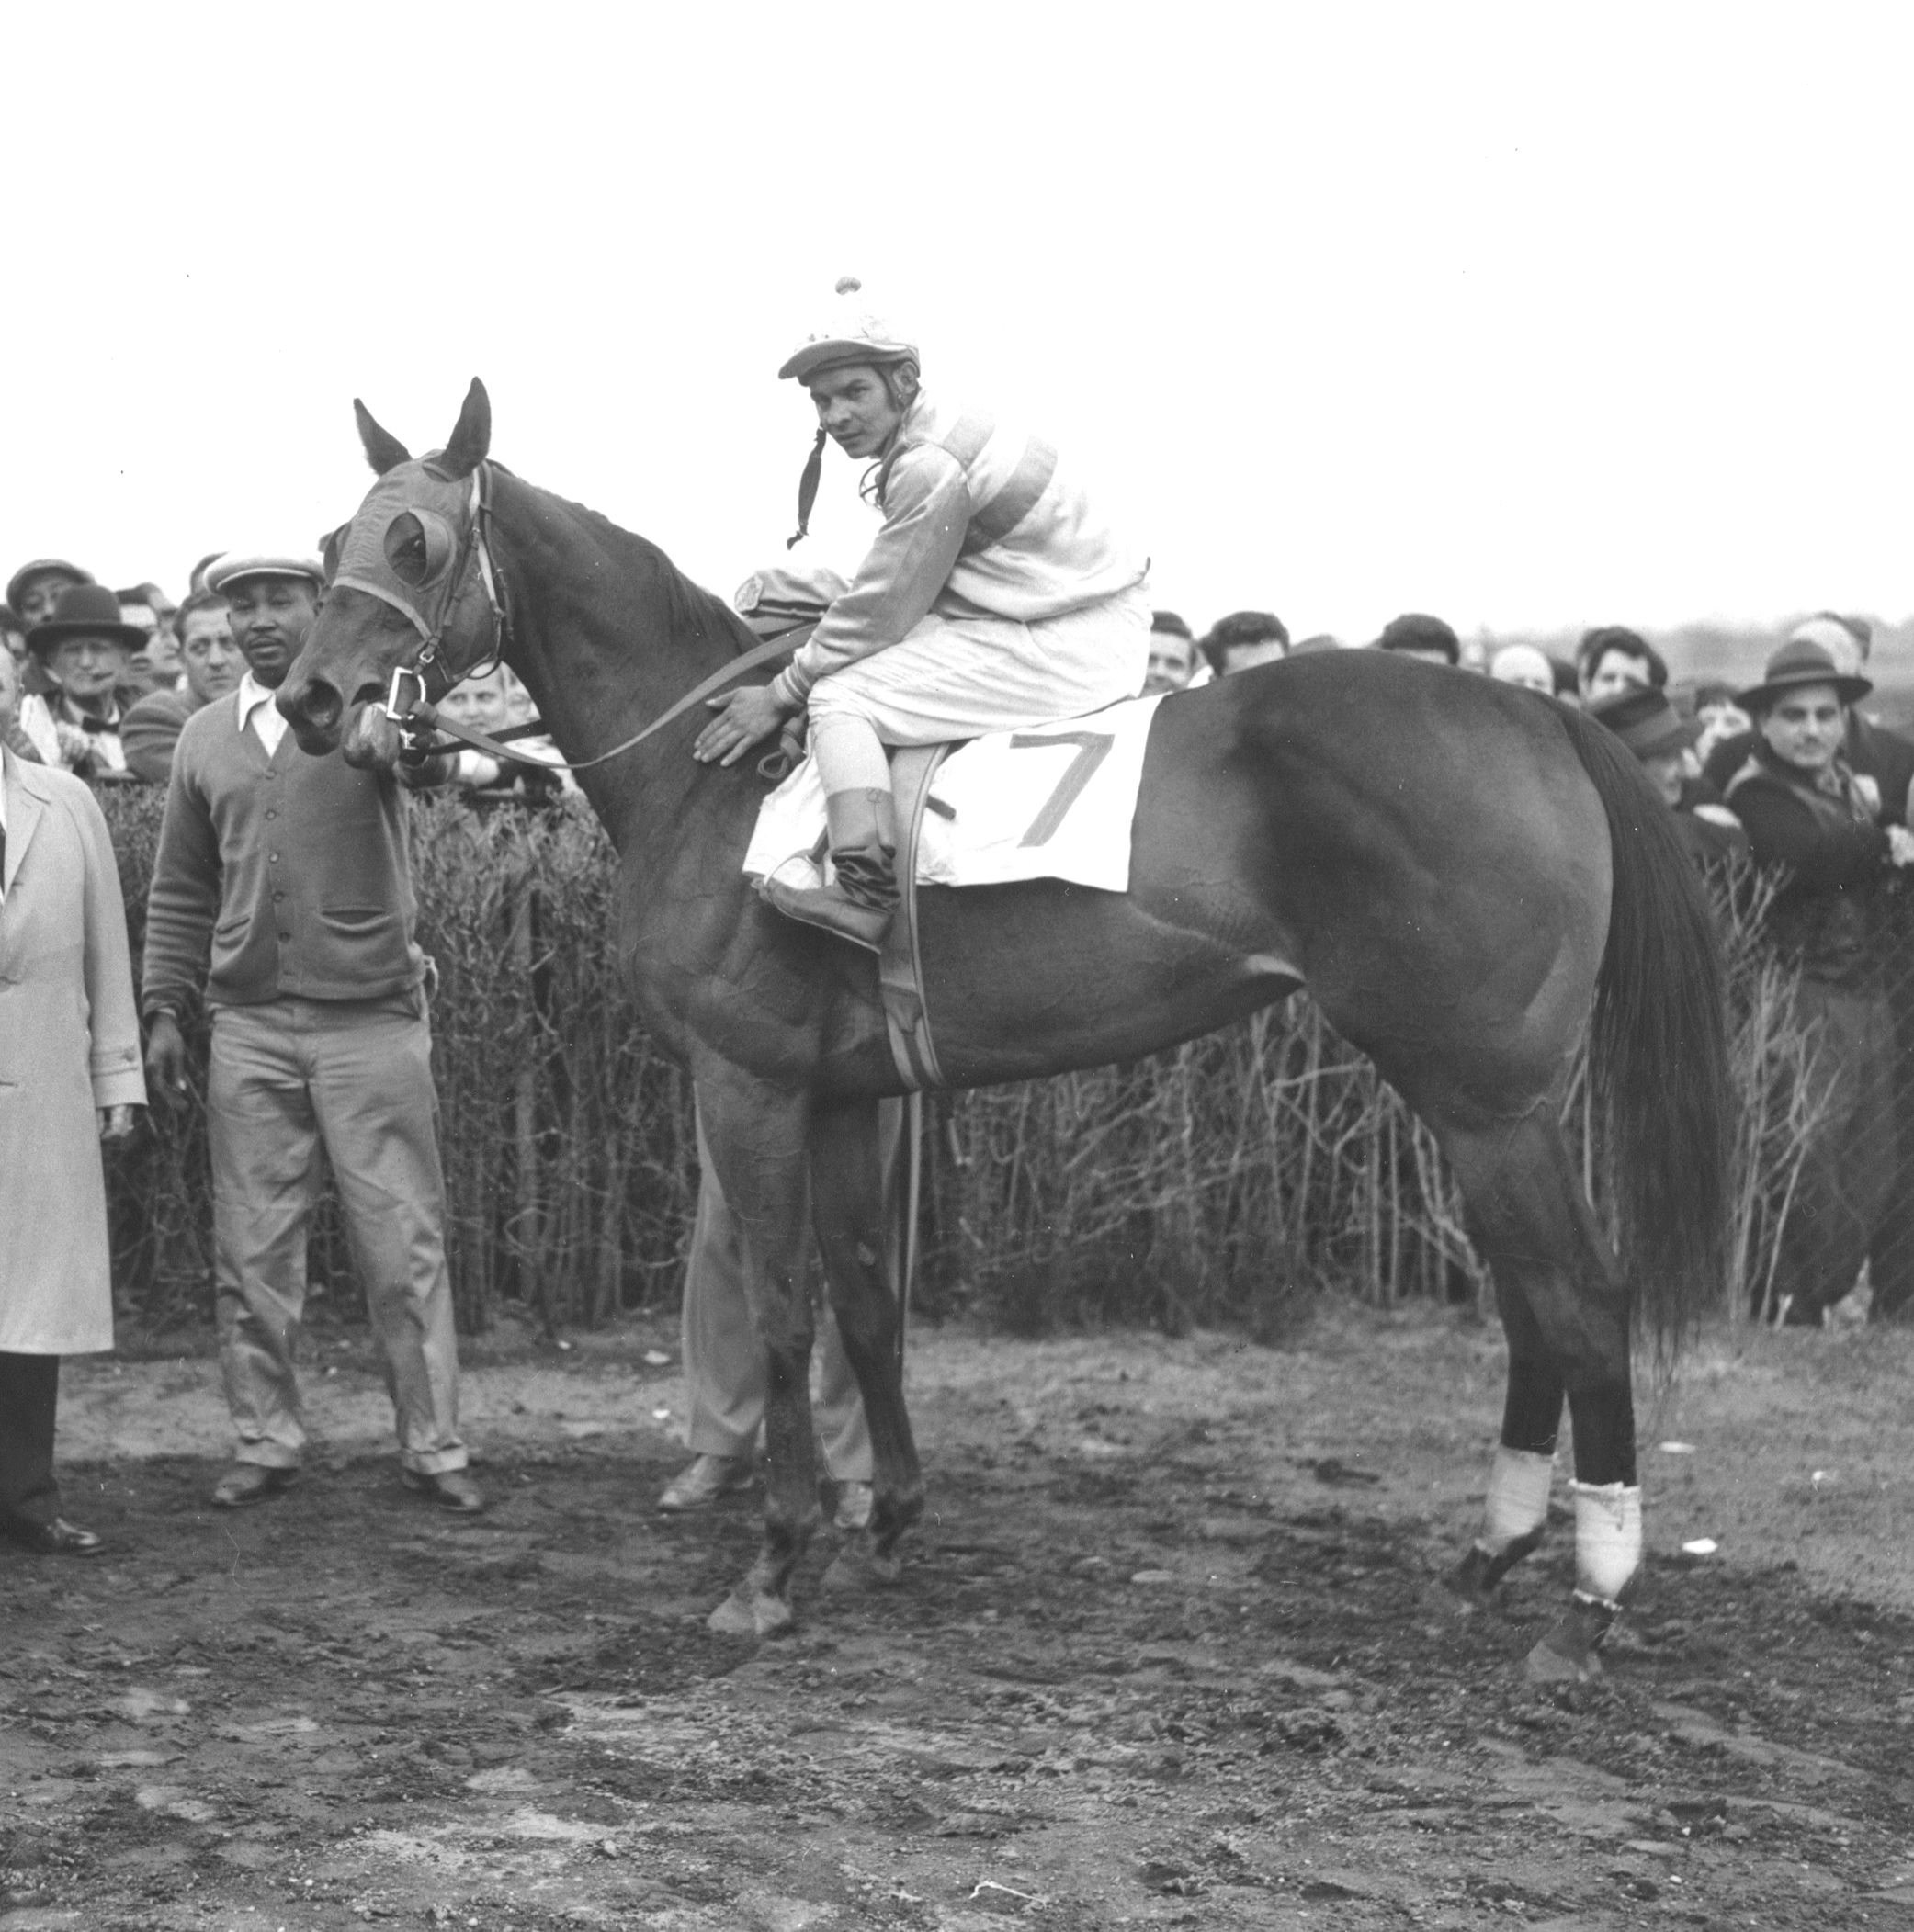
[(756, 1136), (854, 1218), (1515, 1511), (1565, 1309)]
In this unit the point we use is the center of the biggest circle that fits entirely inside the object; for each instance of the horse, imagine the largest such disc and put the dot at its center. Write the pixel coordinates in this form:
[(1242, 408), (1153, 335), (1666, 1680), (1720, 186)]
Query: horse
[(1468, 878)]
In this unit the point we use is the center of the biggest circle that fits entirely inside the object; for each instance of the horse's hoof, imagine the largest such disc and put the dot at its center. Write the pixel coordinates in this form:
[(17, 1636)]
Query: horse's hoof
[(1470, 1586), (747, 1612), (771, 1616), (1567, 1653), (733, 1617), (858, 1566)]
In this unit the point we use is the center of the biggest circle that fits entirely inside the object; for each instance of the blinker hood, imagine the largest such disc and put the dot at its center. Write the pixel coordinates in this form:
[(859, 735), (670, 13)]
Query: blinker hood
[(402, 546)]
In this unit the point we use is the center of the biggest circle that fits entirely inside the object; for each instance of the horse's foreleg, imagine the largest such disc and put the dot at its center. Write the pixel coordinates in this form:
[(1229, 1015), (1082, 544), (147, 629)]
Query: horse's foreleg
[(854, 1159), (756, 1134), (1566, 1311)]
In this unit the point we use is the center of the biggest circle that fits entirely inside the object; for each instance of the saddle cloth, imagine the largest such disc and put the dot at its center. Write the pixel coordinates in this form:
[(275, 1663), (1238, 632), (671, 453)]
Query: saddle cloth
[(1049, 802)]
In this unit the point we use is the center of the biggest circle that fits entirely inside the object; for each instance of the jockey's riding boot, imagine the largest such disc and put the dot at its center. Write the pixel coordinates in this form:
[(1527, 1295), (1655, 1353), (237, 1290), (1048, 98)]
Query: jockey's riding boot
[(858, 905)]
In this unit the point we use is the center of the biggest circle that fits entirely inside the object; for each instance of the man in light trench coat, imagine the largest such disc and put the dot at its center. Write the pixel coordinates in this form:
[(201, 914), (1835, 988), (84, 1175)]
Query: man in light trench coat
[(70, 1077)]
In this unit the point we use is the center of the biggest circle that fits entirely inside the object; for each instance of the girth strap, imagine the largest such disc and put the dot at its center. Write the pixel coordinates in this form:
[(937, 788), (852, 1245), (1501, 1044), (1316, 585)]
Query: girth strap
[(901, 963)]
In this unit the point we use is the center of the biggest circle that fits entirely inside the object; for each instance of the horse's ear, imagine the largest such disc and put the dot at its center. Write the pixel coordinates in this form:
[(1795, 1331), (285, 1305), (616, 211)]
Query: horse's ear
[(472, 441), (383, 450)]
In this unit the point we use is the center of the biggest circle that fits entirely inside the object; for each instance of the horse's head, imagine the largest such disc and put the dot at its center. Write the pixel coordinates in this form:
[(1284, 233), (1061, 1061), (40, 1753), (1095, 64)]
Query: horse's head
[(408, 586)]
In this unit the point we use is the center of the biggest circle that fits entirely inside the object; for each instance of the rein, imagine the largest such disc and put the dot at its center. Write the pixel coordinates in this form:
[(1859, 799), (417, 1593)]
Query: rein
[(417, 716)]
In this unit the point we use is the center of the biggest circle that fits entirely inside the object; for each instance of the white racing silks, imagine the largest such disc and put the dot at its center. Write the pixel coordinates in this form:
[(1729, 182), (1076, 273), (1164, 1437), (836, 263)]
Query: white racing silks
[(1607, 1538)]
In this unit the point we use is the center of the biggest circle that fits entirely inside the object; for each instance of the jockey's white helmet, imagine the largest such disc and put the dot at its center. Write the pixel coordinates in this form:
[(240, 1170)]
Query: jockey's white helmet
[(850, 333)]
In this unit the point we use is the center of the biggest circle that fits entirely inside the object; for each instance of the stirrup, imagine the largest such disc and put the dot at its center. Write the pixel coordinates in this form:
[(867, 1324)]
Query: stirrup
[(831, 912)]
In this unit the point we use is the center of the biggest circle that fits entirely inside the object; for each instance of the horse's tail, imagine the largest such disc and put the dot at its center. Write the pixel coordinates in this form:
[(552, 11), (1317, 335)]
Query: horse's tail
[(1658, 1051)]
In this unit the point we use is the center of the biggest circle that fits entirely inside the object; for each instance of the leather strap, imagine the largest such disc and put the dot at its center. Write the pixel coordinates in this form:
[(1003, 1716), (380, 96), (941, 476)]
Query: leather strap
[(900, 964), (426, 716)]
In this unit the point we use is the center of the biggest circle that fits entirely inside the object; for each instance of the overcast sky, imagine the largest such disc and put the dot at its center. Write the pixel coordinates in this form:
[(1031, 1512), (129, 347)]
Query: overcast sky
[(1524, 316)]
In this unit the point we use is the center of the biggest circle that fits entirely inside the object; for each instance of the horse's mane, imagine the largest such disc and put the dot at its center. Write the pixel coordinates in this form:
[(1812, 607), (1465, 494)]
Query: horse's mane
[(690, 605)]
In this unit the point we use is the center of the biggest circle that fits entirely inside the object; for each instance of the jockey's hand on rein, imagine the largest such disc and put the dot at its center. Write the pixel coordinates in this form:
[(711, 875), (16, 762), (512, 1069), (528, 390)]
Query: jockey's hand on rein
[(745, 719)]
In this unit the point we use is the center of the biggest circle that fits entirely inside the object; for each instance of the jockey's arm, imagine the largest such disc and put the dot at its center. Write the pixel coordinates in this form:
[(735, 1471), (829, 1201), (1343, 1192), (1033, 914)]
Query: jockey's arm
[(926, 514)]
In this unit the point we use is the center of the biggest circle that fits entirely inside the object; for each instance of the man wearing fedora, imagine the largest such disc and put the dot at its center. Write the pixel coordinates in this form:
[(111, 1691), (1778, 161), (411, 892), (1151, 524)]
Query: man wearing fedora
[(281, 892), (82, 651), (1881, 758), (1883, 764), (1805, 811)]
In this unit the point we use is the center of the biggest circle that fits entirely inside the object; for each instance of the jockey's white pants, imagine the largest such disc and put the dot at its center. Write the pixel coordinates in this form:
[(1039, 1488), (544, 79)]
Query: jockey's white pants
[(955, 677)]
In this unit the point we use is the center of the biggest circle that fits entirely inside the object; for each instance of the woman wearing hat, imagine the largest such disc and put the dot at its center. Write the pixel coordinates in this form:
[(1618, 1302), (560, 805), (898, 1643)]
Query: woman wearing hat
[(83, 648), (994, 597), (1805, 812)]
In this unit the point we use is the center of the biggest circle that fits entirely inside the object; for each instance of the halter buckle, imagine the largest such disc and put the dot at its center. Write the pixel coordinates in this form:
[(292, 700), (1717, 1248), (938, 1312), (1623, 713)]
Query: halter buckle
[(399, 707)]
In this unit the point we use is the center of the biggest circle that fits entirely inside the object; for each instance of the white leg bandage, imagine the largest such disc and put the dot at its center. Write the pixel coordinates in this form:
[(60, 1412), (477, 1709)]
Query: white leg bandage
[(1517, 1503), (1607, 1538)]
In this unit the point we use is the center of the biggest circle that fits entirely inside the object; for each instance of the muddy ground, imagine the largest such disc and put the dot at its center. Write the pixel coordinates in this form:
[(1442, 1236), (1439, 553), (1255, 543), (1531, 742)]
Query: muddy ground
[(1169, 1651)]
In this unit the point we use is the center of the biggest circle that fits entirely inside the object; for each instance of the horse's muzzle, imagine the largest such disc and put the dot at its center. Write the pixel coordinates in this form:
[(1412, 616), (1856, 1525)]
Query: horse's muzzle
[(370, 741)]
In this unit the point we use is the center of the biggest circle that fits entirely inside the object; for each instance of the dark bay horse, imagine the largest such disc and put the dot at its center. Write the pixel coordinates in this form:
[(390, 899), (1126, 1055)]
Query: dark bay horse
[(1461, 874)]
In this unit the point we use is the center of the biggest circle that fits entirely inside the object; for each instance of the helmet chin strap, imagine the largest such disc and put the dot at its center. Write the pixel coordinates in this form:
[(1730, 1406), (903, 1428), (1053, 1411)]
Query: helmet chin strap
[(807, 489)]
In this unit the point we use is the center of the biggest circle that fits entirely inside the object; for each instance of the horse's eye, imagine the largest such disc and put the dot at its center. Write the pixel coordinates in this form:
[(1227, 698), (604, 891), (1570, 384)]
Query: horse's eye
[(406, 549), (418, 546)]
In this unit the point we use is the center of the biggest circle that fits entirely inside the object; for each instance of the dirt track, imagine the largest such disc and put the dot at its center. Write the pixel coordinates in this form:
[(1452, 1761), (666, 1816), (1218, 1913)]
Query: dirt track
[(1168, 1652)]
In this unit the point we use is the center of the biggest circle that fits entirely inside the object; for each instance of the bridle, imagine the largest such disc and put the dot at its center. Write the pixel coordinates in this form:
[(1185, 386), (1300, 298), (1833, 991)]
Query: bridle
[(409, 703), (431, 665)]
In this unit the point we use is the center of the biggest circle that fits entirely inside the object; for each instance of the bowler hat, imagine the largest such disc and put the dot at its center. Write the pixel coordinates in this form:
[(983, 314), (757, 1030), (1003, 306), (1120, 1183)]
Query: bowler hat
[(85, 610), (42, 567), (1646, 721), (1802, 662)]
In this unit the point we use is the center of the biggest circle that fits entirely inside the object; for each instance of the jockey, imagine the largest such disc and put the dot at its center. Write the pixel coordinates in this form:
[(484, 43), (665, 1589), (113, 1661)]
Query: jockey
[(993, 598)]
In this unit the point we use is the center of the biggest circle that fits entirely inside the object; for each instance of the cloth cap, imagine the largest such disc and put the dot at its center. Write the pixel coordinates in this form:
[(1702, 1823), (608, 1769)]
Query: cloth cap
[(850, 333), (42, 567), (1645, 722), (1416, 630), (787, 595), (1802, 662), (224, 571), (86, 610)]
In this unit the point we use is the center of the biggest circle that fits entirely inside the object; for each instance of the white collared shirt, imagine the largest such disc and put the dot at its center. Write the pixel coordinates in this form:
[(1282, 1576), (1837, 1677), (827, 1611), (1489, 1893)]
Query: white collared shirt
[(256, 708)]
